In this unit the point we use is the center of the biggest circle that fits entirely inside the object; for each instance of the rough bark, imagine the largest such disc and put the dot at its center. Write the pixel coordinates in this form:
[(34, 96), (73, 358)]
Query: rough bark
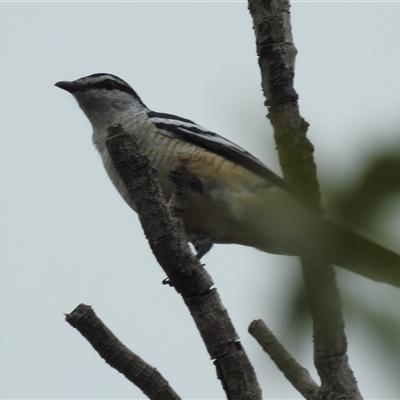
[(186, 274), (118, 356), (276, 57), (297, 375)]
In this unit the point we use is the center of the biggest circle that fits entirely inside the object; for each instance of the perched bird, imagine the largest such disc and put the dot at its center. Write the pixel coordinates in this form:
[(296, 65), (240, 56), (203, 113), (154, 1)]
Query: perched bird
[(235, 198)]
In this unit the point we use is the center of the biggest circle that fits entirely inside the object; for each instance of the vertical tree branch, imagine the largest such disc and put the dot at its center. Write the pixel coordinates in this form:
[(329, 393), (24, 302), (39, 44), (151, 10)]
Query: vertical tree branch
[(276, 56)]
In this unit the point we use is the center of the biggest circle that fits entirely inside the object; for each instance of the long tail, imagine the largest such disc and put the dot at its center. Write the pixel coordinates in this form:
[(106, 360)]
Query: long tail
[(277, 224), (348, 249)]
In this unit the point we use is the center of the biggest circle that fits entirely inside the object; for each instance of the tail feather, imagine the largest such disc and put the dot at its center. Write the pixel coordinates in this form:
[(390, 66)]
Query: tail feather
[(358, 254), (280, 225)]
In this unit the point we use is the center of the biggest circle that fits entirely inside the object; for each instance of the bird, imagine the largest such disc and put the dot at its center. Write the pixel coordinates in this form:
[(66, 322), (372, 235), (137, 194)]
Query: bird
[(235, 198)]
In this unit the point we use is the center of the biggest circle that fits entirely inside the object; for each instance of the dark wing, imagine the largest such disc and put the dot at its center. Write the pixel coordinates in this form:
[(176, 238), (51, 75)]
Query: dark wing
[(191, 132)]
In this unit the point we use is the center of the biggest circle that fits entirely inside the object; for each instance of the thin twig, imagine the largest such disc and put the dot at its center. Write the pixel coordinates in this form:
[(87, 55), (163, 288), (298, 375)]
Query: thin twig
[(297, 375), (118, 356)]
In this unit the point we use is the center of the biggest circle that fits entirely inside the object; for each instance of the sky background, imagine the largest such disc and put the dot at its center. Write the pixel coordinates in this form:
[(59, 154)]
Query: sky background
[(68, 238)]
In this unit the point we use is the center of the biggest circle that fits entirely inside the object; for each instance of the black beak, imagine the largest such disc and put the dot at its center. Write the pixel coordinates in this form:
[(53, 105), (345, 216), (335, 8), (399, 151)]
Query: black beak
[(71, 87)]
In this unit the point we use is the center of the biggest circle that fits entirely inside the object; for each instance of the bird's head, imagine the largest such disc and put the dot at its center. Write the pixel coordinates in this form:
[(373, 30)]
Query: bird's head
[(103, 96)]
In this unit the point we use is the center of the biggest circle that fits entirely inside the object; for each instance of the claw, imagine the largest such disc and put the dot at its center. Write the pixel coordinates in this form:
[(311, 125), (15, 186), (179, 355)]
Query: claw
[(202, 243)]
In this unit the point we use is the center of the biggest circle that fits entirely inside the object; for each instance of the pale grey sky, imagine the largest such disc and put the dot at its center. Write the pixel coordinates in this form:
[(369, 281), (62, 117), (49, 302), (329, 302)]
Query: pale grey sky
[(67, 237)]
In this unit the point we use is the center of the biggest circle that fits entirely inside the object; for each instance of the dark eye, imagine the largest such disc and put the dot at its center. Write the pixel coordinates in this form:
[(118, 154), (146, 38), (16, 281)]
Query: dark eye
[(109, 84)]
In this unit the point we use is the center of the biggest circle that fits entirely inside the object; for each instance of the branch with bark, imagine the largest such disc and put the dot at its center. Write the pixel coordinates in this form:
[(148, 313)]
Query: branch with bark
[(164, 230), (276, 57), (163, 226), (118, 356), (297, 375)]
